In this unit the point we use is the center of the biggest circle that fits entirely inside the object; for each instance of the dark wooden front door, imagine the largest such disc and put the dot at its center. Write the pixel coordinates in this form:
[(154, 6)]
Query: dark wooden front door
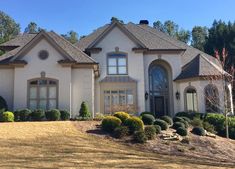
[(159, 106)]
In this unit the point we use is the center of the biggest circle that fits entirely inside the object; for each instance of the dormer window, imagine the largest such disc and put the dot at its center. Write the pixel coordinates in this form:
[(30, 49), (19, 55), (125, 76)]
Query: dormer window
[(117, 64)]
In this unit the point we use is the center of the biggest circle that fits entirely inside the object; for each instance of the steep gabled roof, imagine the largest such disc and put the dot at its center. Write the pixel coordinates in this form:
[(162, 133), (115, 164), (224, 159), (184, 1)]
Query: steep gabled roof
[(200, 66), (25, 41)]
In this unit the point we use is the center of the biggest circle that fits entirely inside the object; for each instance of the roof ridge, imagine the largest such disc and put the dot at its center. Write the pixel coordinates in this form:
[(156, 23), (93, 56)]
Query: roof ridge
[(84, 54), (158, 35)]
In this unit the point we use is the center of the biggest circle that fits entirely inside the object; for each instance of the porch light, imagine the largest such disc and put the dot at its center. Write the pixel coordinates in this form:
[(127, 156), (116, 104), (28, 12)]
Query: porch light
[(146, 95), (177, 95)]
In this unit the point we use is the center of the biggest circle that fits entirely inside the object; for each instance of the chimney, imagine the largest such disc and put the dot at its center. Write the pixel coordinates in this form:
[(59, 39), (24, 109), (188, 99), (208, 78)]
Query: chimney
[(144, 22)]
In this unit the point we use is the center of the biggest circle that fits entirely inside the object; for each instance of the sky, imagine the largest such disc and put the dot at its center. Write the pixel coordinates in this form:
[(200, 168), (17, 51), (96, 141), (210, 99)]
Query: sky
[(84, 16)]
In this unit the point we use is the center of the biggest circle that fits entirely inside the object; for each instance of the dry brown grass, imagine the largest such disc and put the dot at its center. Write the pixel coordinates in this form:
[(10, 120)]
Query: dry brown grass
[(67, 145)]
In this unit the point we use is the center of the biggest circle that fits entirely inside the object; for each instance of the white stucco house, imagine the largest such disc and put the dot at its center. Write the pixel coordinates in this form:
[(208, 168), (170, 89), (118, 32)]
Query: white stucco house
[(118, 66)]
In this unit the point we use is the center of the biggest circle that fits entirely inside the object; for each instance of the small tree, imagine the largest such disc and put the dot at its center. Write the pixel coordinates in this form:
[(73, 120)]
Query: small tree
[(84, 111)]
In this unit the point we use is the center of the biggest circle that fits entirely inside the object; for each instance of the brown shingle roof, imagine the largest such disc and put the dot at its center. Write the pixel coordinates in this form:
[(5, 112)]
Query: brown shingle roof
[(22, 40)]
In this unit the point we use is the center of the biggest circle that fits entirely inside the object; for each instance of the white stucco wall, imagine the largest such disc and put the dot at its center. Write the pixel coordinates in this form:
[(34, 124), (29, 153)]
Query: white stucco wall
[(33, 70), (116, 38), (7, 86), (82, 89)]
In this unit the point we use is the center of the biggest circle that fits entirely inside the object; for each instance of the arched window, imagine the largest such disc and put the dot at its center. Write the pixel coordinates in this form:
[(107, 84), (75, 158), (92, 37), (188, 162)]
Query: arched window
[(211, 98), (191, 99), (43, 93)]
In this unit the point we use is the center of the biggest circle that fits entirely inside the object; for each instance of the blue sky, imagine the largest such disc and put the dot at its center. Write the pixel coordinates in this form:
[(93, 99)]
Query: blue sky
[(83, 16)]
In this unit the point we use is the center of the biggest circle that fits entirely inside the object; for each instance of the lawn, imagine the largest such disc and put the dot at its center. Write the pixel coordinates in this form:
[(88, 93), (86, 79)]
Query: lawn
[(68, 145)]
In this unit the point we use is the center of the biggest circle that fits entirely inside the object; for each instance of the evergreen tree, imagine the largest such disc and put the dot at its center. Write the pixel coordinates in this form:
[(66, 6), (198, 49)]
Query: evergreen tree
[(71, 36), (32, 28), (84, 111), (199, 35)]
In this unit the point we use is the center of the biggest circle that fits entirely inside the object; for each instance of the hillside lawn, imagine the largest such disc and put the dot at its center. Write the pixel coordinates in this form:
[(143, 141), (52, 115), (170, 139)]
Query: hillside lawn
[(69, 145)]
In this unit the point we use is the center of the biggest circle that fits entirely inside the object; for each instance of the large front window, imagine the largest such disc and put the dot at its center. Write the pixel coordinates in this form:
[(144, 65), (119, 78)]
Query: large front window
[(42, 94), (117, 64), (116, 100)]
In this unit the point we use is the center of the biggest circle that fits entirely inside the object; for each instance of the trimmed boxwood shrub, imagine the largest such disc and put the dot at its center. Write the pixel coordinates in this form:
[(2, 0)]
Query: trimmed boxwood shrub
[(199, 131), (64, 115), (122, 115), (7, 116), (186, 119), (23, 114), (139, 137), (84, 111), (121, 131), (157, 128), (185, 124), (3, 104), (182, 131), (37, 115), (177, 125), (208, 127), (196, 122), (190, 115), (167, 119), (150, 132), (53, 115), (217, 120), (109, 123), (148, 119), (161, 123), (232, 133), (151, 113), (134, 124), (178, 119)]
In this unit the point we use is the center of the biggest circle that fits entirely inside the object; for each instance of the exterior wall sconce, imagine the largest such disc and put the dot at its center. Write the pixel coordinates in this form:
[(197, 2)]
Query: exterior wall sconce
[(146, 95), (177, 95)]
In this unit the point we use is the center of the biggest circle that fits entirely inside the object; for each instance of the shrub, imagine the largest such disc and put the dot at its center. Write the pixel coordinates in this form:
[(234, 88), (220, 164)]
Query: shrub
[(196, 122), (162, 124), (178, 119), (64, 115), (150, 132), (139, 137), (7, 116), (232, 133), (53, 115), (84, 111), (121, 131), (23, 114), (122, 115), (147, 113), (148, 119), (208, 127), (185, 124), (184, 114), (3, 104), (217, 120), (177, 125), (134, 124), (157, 128), (16, 115), (167, 119), (98, 116), (199, 131), (190, 115), (186, 119), (37, 115), (182, 131), (109, 123)]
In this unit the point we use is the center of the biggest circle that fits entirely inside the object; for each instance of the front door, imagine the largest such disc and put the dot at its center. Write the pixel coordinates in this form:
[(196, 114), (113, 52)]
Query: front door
[(159, 106)]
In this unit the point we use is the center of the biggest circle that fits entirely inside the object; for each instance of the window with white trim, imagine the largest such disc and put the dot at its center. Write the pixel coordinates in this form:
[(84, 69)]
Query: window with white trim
[(42, 93), (117, 64), (191, 99)]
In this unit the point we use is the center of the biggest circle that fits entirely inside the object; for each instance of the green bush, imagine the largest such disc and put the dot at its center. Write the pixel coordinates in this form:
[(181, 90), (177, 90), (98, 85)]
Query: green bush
[(232, 133), (177, 125), (99, 116), (121, 131), (64, 115), (37, 115), (167, 119), (151, 113), (208, 127), (7, 116), (134, 124), (109, 123), (148, 119), (190, 115), (199, 131), (217, 120), (53, 115), (150, 132), (84, 111), (186, 119), (122, 116), (178, 119), (182, 131), (161, 123), (157, 128), (139, 137), (22, 115), (185, 124), (197, 122), (3, 104)]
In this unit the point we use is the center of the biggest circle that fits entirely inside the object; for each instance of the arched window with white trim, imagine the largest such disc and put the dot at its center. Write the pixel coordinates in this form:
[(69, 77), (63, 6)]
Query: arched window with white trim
[(191, 99), (43, 93)]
